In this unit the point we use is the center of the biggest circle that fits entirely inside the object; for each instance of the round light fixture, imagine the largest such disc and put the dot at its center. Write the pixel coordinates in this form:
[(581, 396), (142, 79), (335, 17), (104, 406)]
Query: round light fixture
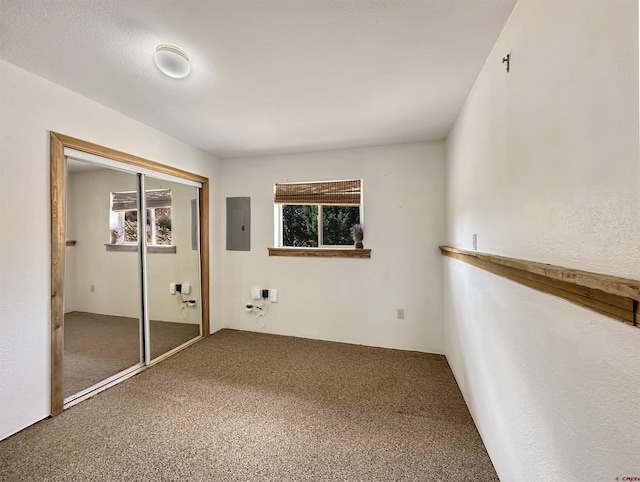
[(172, 61)]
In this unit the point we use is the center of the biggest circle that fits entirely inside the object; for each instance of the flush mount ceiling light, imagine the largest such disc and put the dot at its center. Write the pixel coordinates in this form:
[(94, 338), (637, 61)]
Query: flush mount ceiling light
[(172, 61)]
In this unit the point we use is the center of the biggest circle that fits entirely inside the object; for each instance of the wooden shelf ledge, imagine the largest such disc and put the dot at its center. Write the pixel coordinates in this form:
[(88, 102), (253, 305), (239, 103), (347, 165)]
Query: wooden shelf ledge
[(321, 253), (609, 295)]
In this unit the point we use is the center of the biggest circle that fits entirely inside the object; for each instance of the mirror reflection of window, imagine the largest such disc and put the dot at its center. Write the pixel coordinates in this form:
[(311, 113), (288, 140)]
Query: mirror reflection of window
[(123, 220)]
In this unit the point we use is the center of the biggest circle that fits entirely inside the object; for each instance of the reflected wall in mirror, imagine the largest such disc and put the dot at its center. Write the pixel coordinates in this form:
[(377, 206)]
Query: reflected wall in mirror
[(102, 307), (174, 318)]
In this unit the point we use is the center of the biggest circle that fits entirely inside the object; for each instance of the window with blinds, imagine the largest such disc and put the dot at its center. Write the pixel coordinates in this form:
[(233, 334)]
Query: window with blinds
[(317, 214), (123, 220)]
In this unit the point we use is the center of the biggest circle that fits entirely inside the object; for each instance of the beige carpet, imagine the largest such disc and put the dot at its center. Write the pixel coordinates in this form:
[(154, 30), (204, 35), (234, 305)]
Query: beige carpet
[(242, 406), (99, 346)]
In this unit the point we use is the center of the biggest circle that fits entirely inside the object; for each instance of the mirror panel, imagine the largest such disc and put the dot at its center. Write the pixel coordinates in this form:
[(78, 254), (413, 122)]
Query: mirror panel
[(172, 259), (102, 312)]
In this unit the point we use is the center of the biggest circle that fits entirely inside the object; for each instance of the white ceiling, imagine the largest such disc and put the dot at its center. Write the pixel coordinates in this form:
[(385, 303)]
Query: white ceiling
[(268, 76)]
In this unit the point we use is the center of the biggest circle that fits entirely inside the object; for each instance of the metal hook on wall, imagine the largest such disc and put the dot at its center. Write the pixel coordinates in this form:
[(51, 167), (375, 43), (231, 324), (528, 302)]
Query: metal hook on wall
[(507, 59)]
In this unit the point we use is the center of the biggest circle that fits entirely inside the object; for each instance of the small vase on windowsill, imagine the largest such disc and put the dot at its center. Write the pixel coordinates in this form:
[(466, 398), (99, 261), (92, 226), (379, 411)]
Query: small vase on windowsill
[(116, 235), (358, 237), (357, 233)]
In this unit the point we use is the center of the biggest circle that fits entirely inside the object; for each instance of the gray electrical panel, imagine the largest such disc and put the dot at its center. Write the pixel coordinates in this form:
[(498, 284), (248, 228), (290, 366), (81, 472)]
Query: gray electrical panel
[(238, 224)]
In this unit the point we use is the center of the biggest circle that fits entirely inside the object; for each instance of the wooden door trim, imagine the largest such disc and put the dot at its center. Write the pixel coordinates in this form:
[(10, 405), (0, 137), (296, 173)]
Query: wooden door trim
[(58, 245), (58, 242)]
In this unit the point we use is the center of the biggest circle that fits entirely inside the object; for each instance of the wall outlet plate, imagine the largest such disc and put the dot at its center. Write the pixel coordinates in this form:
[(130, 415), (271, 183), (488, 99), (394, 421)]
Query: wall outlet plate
[(273, 296)]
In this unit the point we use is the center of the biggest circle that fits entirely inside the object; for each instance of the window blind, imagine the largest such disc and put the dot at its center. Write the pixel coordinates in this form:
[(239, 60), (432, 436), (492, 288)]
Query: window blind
[(128, 201), (321, 192)]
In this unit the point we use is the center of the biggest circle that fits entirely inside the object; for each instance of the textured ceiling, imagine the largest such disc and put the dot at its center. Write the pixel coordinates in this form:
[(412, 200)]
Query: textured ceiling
[(268, 76)]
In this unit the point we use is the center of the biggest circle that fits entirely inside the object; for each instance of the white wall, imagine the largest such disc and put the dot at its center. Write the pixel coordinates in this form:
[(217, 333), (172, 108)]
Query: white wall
[(115, 275), (340, 299), (30, 107), (543, 165)]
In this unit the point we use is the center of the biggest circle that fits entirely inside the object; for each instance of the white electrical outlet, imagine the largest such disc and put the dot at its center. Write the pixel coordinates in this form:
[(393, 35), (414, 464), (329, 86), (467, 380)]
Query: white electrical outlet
[(186, 289), (400, 313), (273, 296), (256, 294), (172, 288)]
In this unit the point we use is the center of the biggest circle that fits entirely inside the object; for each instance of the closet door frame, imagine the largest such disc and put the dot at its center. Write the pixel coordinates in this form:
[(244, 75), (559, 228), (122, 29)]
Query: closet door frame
[(59, 241)]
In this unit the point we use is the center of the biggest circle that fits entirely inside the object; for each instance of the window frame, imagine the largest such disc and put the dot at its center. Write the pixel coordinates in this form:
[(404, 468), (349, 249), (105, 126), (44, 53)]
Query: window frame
[(278, 226), (278, 220)]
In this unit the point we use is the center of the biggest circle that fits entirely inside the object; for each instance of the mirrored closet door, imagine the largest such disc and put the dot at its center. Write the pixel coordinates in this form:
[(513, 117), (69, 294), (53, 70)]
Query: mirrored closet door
[(132, 271), (172, 264), (103, 312)]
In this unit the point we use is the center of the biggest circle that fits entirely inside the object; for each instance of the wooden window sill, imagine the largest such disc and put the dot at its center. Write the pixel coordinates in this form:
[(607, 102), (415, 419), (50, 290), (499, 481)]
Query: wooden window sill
[(321, 252), (133, 248)]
